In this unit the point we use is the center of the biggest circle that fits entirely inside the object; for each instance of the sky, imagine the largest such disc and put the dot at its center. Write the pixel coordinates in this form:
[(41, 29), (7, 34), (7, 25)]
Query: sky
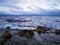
[(41, 7)]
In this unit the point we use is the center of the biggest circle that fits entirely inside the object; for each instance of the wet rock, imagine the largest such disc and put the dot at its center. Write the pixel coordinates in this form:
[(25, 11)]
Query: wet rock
[(6, 34), (41, 30), (57, 32), (29, 33), (7, 28), (2, 41), (20, 33)]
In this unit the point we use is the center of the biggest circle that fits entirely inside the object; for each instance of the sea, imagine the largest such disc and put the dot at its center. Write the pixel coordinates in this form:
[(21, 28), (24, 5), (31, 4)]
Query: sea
[(31, 22)]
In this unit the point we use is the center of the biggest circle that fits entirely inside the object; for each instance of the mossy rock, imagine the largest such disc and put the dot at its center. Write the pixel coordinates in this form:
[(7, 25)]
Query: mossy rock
[(40, 30), (6, 34), (20, 33), (29, 33), (57, 32)]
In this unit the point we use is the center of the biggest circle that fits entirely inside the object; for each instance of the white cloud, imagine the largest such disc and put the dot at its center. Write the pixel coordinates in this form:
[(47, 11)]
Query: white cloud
[(6, 9), (33, 6)]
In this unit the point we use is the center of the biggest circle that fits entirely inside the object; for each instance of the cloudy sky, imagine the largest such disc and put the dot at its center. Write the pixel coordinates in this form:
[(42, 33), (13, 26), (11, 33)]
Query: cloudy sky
[(30, 6)]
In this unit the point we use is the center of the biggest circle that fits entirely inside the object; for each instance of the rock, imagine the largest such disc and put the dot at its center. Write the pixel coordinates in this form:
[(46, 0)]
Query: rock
[(2, 41), (57, 32), (7, 28), (20, 33), (29, 33), (6, 34), (41, 30)]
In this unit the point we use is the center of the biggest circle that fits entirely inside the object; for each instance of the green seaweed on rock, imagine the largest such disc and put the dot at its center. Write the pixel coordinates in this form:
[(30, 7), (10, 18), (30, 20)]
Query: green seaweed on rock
[(6, 34), (41, 29), (20, 33), (29, 33)]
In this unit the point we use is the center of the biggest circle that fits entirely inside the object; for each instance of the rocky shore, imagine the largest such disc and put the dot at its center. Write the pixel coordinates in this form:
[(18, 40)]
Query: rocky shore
[(39, 36)]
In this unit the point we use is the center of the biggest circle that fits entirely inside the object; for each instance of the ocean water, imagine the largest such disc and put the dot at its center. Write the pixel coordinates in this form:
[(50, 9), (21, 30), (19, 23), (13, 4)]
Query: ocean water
[(48, 21), (31, 22)]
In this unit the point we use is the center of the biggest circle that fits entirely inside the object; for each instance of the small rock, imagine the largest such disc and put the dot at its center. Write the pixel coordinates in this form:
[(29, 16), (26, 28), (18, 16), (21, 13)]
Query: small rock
[(57, 32)]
